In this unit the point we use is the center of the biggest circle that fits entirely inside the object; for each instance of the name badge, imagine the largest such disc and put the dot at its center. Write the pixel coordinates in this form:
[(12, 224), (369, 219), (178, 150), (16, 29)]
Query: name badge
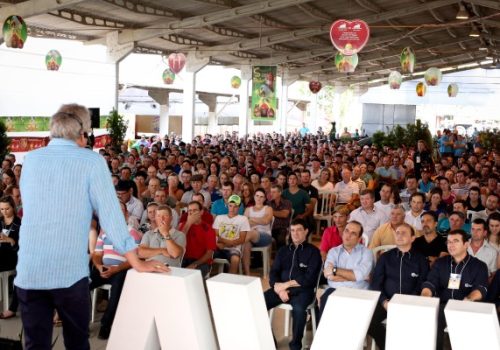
[(454, 282), (417, 158), (5, 231)]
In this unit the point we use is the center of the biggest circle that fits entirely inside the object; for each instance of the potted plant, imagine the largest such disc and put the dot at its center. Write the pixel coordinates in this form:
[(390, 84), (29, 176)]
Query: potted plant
[(117, 128)]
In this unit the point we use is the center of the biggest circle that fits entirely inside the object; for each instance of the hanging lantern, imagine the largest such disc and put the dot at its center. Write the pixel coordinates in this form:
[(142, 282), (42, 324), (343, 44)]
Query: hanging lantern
[(433, 76), (315, 86), (346, 64), (452, 90), (168, 76), (395, 80), (176, 62), (53, 60), (15, 32), (235, 82), (349, 37), (421, 89), (407, 60)]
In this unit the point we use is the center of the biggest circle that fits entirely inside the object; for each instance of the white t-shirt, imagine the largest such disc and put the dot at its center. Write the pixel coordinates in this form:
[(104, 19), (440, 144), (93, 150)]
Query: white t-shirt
[(386, 208), (230, 228), (327, 187)]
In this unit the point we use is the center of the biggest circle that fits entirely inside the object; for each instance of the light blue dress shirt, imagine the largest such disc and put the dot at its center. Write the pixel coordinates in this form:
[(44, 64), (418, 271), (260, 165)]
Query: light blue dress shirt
[(61, 185), (360, 260)]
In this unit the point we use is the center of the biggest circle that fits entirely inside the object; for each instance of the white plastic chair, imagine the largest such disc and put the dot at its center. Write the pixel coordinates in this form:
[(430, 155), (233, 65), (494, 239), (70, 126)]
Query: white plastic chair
[(4, 281), (327, 201), (289, 307), (222, 262), (94, 299), (266, 256)]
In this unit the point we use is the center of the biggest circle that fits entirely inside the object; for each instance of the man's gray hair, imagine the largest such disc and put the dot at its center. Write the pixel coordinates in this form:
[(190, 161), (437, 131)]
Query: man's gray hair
[(70, 122)]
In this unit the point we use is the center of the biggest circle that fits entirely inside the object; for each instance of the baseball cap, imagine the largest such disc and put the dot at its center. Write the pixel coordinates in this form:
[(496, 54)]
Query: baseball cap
[(234, 199)]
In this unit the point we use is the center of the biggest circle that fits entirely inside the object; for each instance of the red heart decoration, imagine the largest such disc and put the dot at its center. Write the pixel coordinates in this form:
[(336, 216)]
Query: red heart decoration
[(314, 86), (176, 62), (349, 37)]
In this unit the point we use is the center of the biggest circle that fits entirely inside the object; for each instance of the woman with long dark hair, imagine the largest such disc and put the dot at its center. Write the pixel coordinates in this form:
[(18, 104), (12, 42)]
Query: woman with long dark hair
[(9, 238)]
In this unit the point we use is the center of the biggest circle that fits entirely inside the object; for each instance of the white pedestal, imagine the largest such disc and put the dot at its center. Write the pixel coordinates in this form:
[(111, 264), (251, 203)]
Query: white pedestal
[(163, 311), (405, 315), (240, 313), (472, 325), (345, 320)]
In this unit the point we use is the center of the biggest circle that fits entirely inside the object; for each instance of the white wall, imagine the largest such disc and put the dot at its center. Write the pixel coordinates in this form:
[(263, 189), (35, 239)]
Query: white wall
[(27, 88)]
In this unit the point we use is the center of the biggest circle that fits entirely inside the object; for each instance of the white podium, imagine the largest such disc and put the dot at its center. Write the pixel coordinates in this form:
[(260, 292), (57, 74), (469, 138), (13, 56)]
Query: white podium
[(407, 313), (240, 313), (345, 319), (472, 325), (163, 311)]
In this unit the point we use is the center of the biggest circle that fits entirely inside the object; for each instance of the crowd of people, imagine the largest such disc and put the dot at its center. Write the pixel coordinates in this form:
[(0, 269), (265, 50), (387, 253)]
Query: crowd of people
[(218, 196)]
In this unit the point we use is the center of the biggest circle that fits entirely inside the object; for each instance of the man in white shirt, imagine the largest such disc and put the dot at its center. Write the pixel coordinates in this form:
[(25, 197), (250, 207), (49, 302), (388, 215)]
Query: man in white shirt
[(231, 232), (480, 248), (384, 203), (135, 207), (491, 207), (368, 215), (412, 216), (345, 190)]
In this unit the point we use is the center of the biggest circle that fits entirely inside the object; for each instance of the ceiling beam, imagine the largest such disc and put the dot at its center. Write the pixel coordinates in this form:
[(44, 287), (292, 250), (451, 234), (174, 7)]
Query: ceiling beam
[(379, 57), (378, 73), (34, 7), (492, 4), (308, 32), (169, 27)]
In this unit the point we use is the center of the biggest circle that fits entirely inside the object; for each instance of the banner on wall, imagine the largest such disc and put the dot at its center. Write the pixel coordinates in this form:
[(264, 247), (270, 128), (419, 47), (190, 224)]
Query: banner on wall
[(27, 124), (26, 144), (264, 100)]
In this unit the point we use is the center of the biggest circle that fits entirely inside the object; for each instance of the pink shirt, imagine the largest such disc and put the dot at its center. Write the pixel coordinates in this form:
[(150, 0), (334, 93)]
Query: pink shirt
[(331, 238)]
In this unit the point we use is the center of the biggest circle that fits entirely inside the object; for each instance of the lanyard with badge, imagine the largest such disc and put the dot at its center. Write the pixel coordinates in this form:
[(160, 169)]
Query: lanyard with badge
[(6, 231), (455, 278)]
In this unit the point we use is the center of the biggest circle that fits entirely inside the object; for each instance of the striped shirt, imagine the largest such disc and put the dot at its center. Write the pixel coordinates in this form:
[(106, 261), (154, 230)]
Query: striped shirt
[(62, 184), (109, 255)]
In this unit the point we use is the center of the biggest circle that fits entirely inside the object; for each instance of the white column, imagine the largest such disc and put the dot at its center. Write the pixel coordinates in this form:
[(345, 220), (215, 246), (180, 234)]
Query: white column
[(239, 312), (313, 121), (163, 311), (472, 325), (286, 81), (405, 314), (193, 65), (115, 54), (161, 96), (345, 320), (246, 77), (211, 101)]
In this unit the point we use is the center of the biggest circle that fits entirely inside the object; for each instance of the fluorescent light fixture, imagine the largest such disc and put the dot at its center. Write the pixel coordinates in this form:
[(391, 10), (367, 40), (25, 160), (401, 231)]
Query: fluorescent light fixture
[(474, 32), (462, 12)]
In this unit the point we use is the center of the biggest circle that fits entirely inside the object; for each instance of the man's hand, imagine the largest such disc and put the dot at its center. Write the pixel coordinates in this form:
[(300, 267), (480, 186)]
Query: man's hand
[(108, 271), (151, 266), (385, 304), (278, 287), (164, 252), (191, 266), (284, 296), (193, 217), (221, 245)]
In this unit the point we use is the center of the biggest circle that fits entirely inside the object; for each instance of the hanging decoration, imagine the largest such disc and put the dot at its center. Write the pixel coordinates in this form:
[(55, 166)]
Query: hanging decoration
[(315, 86), (346, 64), (433, 76), (15, 32), (407, 60), (235, 82), (176, 62), (264, 101), (349, 37), (421, 89), (53, 60), (395, 80), (452, 90), (168, 76)]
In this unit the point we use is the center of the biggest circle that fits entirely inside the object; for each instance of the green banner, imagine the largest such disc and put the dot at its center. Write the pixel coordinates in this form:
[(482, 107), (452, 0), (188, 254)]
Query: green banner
[(29, 124), (263, 93)]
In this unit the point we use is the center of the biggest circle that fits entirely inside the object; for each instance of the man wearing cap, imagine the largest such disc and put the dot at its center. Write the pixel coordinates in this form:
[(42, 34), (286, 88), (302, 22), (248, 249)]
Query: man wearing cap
[(196, 185), (231, 232), (135, 207)]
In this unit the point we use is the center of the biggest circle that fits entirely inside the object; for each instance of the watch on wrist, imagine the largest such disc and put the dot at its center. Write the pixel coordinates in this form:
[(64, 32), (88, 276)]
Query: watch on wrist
[(335, 270)]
